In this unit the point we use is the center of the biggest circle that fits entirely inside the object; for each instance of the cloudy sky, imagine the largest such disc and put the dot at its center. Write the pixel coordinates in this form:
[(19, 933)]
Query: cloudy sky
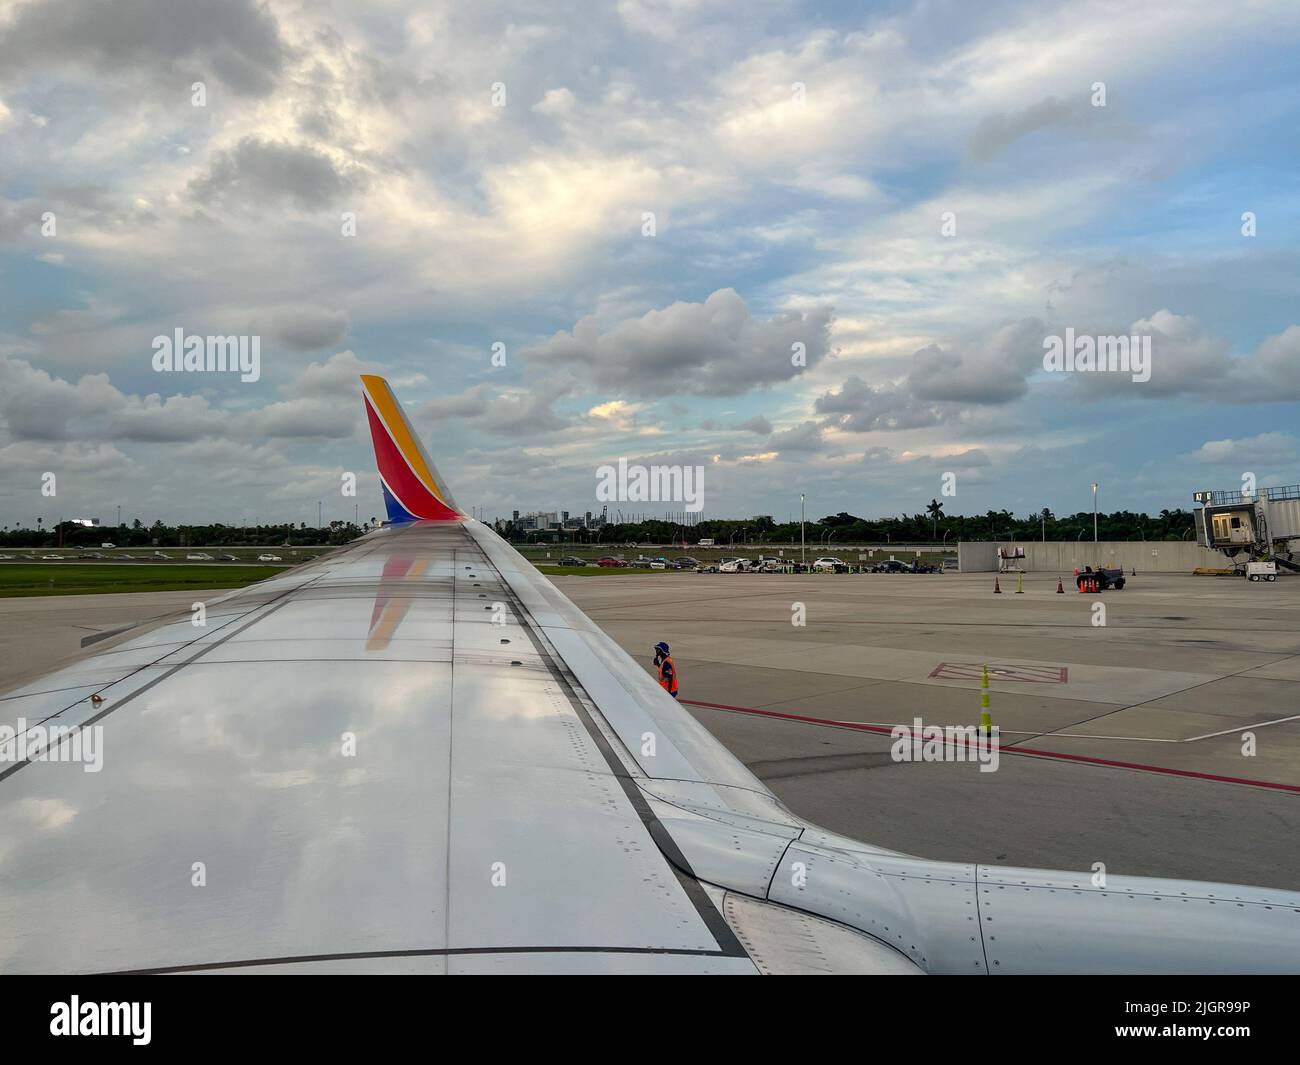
[(648, 209)]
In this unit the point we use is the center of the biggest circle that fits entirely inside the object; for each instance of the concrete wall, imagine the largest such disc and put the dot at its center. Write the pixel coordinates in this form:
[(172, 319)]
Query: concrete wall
[(1064, 556), (977, 557)]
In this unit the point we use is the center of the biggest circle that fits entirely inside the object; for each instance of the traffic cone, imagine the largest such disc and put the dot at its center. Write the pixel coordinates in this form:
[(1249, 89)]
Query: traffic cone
[(986, 718), (1060, 588), (997, 588), (1020, 584), (984, 678)]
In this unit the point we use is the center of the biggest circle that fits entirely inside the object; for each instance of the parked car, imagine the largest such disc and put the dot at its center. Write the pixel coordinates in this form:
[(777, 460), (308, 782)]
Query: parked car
[(830, 565), (656, 564), (610, 560), (890, 565), (227, 558), (198, 556), (570, 560), (686, 562), (736, 565), (269, 558), (159, 554)]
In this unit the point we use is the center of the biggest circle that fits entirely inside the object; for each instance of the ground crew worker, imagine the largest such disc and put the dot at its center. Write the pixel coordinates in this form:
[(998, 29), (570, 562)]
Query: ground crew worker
[(667, 671)]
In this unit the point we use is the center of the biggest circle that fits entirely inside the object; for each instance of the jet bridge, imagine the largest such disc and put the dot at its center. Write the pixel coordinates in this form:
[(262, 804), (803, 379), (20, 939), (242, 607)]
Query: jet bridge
[(1245, 527)]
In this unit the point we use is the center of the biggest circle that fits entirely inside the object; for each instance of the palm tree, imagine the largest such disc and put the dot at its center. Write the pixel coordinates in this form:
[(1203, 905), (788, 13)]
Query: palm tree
[(936, 512)]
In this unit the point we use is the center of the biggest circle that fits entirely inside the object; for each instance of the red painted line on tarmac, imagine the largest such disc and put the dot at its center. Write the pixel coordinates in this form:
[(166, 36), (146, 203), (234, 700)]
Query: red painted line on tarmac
[(1060, 755)]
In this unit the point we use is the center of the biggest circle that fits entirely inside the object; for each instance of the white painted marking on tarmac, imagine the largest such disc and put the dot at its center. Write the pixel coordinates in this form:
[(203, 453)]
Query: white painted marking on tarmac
[(1243, 728)]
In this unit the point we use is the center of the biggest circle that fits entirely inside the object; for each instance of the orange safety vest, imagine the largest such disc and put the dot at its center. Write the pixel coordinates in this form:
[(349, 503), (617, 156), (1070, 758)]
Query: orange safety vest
[(668, 675)]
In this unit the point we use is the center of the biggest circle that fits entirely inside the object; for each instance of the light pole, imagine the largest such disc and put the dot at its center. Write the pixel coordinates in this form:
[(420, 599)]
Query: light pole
[(1094, 512), (803, 549)]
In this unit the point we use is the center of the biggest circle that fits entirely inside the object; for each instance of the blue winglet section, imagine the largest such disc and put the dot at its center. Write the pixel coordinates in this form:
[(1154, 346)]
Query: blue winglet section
[(396, 512)]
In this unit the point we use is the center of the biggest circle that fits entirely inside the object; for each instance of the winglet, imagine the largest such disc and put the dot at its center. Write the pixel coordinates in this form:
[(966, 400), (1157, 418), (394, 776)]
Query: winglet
[(413, 490)]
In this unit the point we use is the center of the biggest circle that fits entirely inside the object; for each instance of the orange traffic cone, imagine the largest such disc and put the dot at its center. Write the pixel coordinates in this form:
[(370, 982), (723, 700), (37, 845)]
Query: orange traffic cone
[(997, 588), (1060, 588)]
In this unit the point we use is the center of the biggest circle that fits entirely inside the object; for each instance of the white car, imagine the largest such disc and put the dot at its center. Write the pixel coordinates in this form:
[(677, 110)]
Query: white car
[(159, 554), (6, 558), (51, 558), (830, 565), (269, 558), (198, 556), (736, 565)]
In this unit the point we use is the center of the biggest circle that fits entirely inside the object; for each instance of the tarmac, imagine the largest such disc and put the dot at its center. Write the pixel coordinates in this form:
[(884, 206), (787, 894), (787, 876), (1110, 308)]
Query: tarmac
[(1121, 743), (37, 633), (1124, 743)]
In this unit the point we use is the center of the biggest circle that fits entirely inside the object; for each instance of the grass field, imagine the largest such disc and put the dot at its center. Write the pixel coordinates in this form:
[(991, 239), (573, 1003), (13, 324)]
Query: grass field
[(600, 571), (72, 579)]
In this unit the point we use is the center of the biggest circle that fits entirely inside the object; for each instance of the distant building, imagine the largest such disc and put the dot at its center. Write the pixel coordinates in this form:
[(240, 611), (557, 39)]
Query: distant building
[(551, 520)]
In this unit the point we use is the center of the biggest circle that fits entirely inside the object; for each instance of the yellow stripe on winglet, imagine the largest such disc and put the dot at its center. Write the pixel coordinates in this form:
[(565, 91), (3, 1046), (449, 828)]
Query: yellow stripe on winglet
[(386, 405)]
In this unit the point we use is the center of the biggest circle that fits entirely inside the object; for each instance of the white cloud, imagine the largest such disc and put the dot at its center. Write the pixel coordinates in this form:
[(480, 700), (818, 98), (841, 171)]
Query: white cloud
[(1272, 447), (711, 348)]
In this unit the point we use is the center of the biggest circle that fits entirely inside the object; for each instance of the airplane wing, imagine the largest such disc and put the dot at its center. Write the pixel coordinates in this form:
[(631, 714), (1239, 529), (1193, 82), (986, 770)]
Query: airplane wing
[(417, 755)]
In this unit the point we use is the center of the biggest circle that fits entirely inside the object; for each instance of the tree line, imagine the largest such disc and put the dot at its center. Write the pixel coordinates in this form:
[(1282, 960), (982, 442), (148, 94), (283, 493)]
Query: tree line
[(137, 534), (844, 528), (841, 528)]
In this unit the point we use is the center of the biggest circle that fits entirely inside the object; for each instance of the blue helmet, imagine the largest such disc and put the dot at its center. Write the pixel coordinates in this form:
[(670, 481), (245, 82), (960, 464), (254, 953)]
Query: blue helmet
[(661, 647)]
